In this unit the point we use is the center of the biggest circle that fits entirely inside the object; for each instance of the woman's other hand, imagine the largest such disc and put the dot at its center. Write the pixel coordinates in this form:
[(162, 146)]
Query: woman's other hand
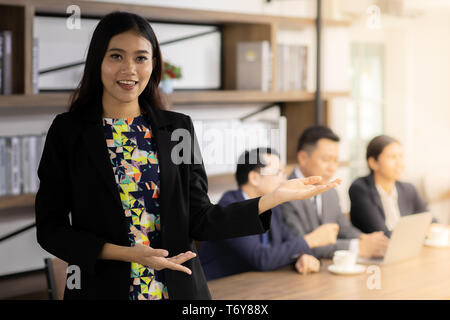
[(158, 260)]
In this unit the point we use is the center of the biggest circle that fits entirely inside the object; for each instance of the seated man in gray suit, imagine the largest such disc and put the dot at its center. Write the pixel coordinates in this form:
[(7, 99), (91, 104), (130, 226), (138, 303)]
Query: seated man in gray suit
[(317, 155)]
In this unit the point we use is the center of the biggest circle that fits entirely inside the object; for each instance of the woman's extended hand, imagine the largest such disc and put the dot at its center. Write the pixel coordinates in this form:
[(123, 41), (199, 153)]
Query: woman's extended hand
[(304, 188), (157, 258), (295, 189)]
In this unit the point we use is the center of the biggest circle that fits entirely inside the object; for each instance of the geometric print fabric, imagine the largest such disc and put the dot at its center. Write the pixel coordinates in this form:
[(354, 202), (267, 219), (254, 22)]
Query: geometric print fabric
[(134, 160)]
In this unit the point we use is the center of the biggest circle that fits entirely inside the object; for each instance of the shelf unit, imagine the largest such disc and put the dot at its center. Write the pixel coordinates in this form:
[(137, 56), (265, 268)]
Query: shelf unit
[(297, 106), (176, 98), (13, 201)]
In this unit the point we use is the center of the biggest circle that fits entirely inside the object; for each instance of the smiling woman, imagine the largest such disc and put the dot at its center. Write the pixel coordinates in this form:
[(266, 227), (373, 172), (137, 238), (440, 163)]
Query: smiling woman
[(135, 213), (127, 51), (125, 74)]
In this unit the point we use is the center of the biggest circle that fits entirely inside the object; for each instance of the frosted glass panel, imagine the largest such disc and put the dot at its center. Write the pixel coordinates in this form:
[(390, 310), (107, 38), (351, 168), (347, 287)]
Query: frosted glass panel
[(366, 108)]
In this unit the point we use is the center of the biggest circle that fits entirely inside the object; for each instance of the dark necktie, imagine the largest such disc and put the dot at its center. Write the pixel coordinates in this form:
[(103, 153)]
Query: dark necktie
[(316, 209)]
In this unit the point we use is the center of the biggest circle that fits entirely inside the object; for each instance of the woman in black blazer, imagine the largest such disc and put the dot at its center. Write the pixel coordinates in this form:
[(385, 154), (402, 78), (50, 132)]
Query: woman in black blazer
[(138, 201), (385, 159)]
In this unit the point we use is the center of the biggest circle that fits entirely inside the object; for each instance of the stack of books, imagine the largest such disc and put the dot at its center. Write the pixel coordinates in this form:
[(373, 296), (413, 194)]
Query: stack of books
[(5, 62), (292, 67), (254, 66), (19, 161)]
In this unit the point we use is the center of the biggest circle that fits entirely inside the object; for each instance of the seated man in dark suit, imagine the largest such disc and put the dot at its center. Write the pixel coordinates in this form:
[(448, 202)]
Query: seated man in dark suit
[(317, 154), (258, 172), (380, 199)]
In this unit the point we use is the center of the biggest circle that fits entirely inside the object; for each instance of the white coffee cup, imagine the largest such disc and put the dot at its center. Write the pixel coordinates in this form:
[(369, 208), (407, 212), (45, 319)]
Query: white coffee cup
[(344, 259), (439, 235)]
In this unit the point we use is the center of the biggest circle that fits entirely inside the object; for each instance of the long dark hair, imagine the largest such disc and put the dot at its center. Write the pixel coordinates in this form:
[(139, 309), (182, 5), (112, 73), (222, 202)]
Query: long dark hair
[(89, 92)]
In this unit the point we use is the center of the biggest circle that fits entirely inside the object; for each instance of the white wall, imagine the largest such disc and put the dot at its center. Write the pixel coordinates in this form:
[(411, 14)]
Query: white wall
[(421, 116)]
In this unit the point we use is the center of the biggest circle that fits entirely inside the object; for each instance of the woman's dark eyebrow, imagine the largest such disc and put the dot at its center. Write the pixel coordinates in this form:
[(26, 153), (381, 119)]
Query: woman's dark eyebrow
[(121, 50)]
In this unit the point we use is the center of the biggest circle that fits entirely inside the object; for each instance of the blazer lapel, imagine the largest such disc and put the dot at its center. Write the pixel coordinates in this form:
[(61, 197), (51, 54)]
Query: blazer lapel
[(375, 196), (311, 214), (94, 140), (311, 220), (402, 205), (167, 170), (292, 175), (325, 213)]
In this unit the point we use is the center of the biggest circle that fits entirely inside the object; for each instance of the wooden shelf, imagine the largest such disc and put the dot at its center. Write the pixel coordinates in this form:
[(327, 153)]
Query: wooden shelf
[(35, 100), (177, 98), (241, 96), (15, 201), (167, 14)]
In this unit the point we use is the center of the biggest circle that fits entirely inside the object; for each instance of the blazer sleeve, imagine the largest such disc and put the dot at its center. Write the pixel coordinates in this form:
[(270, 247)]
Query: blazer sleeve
[(288, 236), (327, 252), (213, 222), (419, 204), (291, 219), (53, 204), (363, 212), (282, 249), (267, 257), (346, 228)]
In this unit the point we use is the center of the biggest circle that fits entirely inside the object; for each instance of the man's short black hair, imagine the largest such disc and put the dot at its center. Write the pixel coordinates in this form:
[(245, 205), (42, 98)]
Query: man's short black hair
[(308, 139), (250, 161)]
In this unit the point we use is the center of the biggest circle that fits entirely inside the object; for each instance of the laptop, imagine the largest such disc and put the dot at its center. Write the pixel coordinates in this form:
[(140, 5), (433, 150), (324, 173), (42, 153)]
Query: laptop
[(406, 239)]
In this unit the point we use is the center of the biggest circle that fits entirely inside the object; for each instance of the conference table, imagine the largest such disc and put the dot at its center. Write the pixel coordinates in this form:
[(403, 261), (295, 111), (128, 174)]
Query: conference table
[(424, 277)]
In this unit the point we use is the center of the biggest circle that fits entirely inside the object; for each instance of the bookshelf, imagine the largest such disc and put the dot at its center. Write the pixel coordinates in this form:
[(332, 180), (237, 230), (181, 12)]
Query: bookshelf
[(12, 201), (297, 106), (176, 98)]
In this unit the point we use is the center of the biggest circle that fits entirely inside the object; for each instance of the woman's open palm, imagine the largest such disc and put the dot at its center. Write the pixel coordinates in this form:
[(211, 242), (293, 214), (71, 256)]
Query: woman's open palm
[(158, 260), (303, 188)]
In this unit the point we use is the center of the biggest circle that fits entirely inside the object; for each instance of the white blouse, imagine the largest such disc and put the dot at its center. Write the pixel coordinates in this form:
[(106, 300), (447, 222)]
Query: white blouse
[(390, 206)]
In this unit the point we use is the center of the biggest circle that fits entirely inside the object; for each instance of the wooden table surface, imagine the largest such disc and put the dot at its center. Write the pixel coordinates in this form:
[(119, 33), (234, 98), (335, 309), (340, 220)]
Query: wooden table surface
[(424, 277)]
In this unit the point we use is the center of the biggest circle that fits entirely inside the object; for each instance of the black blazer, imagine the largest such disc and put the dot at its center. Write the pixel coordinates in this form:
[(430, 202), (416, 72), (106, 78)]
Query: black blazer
[(367, 213), (76, 176)]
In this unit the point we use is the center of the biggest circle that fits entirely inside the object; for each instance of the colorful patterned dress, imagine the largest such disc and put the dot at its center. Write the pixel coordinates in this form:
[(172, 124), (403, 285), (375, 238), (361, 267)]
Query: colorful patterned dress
[(134, 160)]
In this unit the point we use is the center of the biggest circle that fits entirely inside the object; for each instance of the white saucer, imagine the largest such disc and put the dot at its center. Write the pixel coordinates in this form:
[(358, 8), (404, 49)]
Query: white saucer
[(357, 268), (429, 243)]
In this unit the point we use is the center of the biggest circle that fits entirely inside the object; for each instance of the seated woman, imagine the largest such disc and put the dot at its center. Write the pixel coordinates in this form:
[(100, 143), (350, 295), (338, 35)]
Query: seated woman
[(380, 199)]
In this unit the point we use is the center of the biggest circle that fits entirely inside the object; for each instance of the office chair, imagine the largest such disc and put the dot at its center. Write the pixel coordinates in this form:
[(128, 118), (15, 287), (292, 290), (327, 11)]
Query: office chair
[(56, 273)]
